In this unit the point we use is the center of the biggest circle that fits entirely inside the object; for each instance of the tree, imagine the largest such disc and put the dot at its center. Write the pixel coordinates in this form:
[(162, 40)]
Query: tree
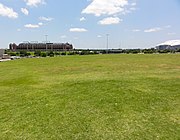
[(51, 54), (37, 53), (43, 54), (24, 53)]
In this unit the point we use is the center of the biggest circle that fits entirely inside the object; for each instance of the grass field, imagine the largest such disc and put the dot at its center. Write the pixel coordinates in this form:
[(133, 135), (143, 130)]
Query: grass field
[(100, 97)]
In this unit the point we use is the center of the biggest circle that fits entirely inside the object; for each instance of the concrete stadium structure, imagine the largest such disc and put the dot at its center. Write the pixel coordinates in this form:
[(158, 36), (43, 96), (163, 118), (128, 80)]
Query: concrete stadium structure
[(169, 45), (41, 47), (1, 52)]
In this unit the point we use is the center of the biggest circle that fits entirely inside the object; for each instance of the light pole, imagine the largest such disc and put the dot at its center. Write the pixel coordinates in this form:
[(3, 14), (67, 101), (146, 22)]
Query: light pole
[(107, 41), (46, 42)]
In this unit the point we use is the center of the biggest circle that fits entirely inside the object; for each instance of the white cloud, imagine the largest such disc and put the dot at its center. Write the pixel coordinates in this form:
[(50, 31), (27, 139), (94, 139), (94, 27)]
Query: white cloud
[(136, 30), (99, 36), (110, 20), (82, 19), (34, 3), (157, 29), (105, 7), (46, 18), (32, 26), (24, 11), (153, 30), (7, 12), (40, 23), (77, 30)]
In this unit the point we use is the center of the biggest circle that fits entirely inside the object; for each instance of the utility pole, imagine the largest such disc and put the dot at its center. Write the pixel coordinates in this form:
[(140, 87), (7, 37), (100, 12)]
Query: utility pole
[(107, 41)]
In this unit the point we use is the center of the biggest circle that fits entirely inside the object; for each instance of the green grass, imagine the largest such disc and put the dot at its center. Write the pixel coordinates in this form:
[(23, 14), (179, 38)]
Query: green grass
[(99, 97)]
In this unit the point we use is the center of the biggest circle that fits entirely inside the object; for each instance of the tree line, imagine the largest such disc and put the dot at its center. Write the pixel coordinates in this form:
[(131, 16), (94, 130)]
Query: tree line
[(39, 53)]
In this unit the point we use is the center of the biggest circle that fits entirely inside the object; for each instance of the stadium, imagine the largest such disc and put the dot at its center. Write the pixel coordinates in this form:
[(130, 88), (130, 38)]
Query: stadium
[(41, 46), (169, 45)]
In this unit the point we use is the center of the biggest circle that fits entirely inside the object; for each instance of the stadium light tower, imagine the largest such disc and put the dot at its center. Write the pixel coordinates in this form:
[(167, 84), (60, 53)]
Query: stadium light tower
[(46, 41), (107, 41)]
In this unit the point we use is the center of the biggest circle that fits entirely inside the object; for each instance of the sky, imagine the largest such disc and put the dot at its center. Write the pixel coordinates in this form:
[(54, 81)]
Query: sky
[(87, 24)]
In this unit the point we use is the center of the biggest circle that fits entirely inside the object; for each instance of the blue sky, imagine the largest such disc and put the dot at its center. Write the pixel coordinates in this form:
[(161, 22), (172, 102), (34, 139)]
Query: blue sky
[(85, 23)]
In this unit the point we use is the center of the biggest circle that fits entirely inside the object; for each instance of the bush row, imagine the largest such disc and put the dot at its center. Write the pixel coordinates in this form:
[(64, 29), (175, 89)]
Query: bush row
[(88, 52)]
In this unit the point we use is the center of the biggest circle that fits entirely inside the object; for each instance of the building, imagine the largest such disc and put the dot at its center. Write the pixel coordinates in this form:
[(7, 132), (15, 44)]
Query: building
[(1, 53), (164, 47), (41, 47), (6, 56), (169, 45)]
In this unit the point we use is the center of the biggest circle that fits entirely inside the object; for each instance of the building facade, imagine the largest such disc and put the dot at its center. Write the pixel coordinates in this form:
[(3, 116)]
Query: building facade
[(168, 47), (41, 47), (2, 52)]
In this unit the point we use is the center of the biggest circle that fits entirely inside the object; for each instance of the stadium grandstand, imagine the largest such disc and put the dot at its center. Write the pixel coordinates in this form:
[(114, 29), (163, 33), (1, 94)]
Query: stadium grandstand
[(41, 46)]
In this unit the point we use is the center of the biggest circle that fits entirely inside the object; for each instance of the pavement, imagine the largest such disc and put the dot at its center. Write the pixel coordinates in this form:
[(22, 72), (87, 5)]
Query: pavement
[(4, 60)]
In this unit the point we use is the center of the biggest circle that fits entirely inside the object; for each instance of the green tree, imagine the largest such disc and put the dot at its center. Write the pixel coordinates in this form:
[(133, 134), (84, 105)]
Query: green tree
[(51, 54), (37, 53), (43, 54)]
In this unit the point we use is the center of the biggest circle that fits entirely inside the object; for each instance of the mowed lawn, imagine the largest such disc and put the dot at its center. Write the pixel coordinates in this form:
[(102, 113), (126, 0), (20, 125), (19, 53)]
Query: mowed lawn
[(100, 97)]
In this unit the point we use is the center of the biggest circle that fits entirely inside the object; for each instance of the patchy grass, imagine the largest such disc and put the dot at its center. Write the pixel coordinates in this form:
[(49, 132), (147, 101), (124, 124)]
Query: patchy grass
[(91, 97)]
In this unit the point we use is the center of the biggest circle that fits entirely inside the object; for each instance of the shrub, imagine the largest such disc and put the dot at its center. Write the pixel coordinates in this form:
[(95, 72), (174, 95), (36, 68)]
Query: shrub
[(51, 54), (71, 53), (12, 53), (57, 53), (43, 54), (37, 53), (63, 53), (24, 53)]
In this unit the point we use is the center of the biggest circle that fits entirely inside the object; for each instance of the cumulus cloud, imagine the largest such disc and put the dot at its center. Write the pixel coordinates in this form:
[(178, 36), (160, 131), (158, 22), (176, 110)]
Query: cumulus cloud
[(110, 20), (46, 18), (7, 12), (157, 29), (32, 26), (105, 7), (40, 23), (34, 3), (77, 30), (82, 19), (24, 11)]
